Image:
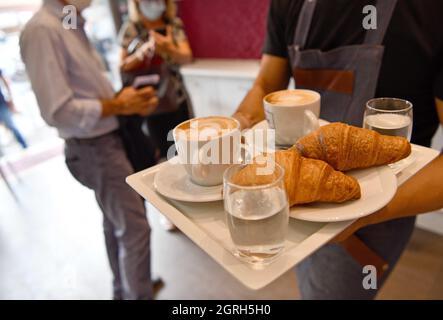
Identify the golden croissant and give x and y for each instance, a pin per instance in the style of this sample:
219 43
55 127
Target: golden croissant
306 180
346 147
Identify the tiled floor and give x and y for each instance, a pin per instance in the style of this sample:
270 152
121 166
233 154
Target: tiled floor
51 247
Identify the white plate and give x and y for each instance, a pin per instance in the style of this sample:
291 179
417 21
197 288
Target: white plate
378 186
173 182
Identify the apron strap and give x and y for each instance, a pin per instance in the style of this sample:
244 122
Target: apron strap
385 10
304 23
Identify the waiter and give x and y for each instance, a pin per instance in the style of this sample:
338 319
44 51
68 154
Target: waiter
323 44
74 96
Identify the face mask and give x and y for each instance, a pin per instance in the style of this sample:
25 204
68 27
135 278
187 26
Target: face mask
152 10
80 5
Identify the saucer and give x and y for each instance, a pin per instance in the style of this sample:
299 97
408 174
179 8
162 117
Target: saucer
173 182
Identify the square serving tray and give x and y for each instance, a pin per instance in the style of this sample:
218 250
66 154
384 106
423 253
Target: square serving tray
204 224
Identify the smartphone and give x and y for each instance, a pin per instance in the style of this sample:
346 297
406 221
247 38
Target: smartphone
162 31
145 81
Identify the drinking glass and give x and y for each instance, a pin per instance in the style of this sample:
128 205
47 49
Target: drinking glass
392 117
257 215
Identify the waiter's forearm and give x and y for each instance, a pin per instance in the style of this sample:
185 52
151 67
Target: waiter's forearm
251 110
420 194
273 75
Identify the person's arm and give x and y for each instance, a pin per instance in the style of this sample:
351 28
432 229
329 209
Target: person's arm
179 52
130 62
126 35
273 75
420 194
130 101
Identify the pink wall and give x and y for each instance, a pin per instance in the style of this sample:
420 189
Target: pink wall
225 28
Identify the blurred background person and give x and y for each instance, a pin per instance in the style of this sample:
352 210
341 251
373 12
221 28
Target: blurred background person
154 45
7 107
74 96
155 21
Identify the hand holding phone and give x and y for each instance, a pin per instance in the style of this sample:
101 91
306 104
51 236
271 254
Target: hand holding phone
147 80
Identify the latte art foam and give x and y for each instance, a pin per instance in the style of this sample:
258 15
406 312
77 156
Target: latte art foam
289 98
208 128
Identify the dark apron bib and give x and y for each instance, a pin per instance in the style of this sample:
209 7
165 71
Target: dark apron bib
346 77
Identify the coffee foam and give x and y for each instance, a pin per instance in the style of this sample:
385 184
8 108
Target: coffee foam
291 98
208 128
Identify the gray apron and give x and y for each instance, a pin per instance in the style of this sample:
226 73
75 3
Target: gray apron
346 77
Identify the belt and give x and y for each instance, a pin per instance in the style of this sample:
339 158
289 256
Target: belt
83 141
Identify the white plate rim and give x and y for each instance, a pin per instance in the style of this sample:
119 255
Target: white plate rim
264 124
217 196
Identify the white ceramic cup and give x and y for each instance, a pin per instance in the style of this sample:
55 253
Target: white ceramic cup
208 152
292 113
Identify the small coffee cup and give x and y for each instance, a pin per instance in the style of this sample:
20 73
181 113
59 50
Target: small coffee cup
207 146
292 113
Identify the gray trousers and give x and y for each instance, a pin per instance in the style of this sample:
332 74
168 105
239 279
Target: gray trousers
331 273
101 165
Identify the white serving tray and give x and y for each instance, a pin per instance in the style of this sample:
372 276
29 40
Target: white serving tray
204 223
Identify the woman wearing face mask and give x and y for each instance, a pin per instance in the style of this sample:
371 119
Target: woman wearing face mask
154 43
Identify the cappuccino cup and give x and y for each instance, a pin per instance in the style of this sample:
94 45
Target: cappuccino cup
207 146
292 113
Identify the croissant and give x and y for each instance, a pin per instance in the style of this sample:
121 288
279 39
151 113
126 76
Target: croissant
306 180
346 147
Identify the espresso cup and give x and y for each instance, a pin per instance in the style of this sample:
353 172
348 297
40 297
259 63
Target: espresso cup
292 113
207 146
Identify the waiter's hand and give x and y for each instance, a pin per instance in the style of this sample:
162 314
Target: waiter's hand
131 101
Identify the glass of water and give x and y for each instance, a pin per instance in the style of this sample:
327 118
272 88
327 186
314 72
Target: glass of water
257 215
389 116
392 117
